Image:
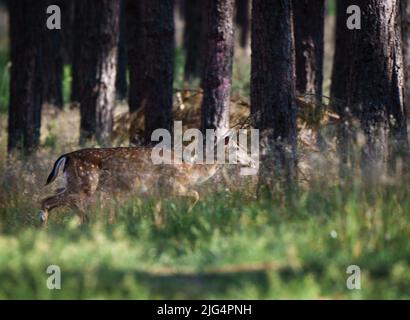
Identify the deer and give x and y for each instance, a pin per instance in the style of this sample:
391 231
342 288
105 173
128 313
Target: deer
124 169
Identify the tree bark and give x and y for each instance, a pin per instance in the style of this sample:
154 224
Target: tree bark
135 52
157 85
193 38
76 86
26 92
376 87
67 28
273 90
217 66
52 56
243 21
121 81
98 22
342 60
342 69
405 23
309 19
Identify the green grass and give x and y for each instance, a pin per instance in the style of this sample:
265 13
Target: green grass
331 6
179 65
230 246
66 84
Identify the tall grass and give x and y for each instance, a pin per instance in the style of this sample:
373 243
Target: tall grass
229 247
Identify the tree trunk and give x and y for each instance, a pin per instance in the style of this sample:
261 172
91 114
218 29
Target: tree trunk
376 86
97 60
76 69
180 7
52 56
67 28
342 60
193 38
121 81
217 67
399 149
157 84
405 23
26 94
243 21
309 19
342 65
273 90
135 52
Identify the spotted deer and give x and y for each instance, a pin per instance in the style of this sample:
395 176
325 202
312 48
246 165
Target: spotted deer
112 170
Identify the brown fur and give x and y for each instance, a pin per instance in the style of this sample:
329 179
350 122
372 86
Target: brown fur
113 170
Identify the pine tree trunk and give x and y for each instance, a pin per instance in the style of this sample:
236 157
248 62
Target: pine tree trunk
217 67
399 148
343 55
135 52
342 66
405 23
67 22
97 60
243 21
76 69
26 94
52 56
157 84
180 7
376 87
309 19
121 81
193 38
273 90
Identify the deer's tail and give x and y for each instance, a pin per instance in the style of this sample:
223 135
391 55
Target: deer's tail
56 168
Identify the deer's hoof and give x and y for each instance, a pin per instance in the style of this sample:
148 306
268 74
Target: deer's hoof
42 216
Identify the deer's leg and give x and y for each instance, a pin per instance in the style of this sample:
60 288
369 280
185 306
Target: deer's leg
60 190
83 216
184 192
70 200
195 195
81 181
55 201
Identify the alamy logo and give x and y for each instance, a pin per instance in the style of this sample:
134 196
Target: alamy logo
355 19
353 281
54 20
54 280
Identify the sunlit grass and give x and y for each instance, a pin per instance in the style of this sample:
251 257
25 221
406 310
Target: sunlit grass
228 247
